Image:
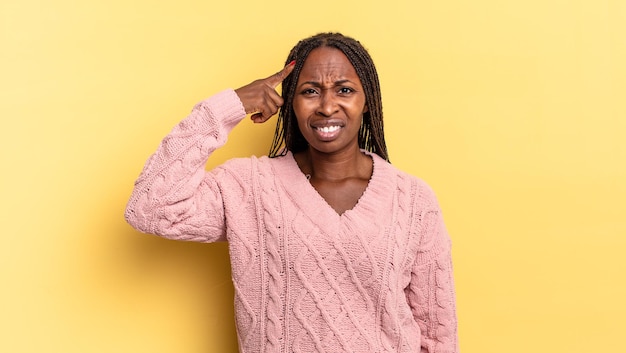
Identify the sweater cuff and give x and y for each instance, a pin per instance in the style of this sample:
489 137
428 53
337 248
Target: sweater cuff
227 106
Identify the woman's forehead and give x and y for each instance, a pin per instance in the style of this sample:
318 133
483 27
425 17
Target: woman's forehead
327 63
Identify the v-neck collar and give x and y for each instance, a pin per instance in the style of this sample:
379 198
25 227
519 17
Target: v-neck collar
378 194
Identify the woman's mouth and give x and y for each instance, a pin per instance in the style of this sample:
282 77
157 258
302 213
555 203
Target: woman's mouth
327 133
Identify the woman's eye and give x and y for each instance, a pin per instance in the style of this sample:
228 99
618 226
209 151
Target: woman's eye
309 91
345 90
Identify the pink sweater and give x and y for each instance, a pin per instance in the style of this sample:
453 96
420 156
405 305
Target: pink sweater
377 278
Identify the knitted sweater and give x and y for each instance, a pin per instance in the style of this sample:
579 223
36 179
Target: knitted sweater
377 278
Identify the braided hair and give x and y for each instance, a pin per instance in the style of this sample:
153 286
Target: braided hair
287 135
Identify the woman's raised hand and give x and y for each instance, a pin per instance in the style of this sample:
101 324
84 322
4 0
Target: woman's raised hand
260 97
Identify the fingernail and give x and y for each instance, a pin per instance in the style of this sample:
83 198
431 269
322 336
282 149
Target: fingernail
292 63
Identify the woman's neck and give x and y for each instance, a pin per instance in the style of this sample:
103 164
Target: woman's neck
335 167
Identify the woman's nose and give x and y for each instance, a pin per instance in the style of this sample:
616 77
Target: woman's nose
327 104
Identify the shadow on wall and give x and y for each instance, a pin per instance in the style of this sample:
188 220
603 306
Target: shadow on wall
152 279
161 281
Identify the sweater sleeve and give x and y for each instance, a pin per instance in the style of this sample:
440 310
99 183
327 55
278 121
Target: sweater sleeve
174 196
431 292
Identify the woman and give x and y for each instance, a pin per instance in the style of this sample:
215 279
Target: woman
332 249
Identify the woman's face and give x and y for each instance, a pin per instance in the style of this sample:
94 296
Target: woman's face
329 101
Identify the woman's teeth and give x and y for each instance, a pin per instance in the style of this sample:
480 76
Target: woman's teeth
327 129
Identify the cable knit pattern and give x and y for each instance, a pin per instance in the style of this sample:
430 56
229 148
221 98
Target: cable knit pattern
275 265
377 278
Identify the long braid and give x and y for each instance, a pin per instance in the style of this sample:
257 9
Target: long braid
371 133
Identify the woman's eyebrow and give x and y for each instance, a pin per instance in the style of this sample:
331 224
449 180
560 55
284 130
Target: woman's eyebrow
318 84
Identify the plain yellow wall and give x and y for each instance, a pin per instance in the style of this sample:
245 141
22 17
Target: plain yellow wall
514 111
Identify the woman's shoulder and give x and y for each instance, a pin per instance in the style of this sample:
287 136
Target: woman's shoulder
421 190
253 163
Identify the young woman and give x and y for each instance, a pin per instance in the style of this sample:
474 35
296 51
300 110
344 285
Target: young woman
332 249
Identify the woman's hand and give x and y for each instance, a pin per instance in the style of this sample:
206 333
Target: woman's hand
260 97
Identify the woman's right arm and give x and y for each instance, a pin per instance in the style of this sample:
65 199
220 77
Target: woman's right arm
174 196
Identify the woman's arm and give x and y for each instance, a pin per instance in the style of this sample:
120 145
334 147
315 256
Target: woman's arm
431 290
174 196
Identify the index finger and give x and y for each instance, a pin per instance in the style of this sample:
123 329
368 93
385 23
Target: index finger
278 77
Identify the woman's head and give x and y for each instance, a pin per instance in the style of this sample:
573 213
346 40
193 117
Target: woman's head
371 135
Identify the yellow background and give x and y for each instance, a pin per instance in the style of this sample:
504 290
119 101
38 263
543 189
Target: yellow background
514 111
